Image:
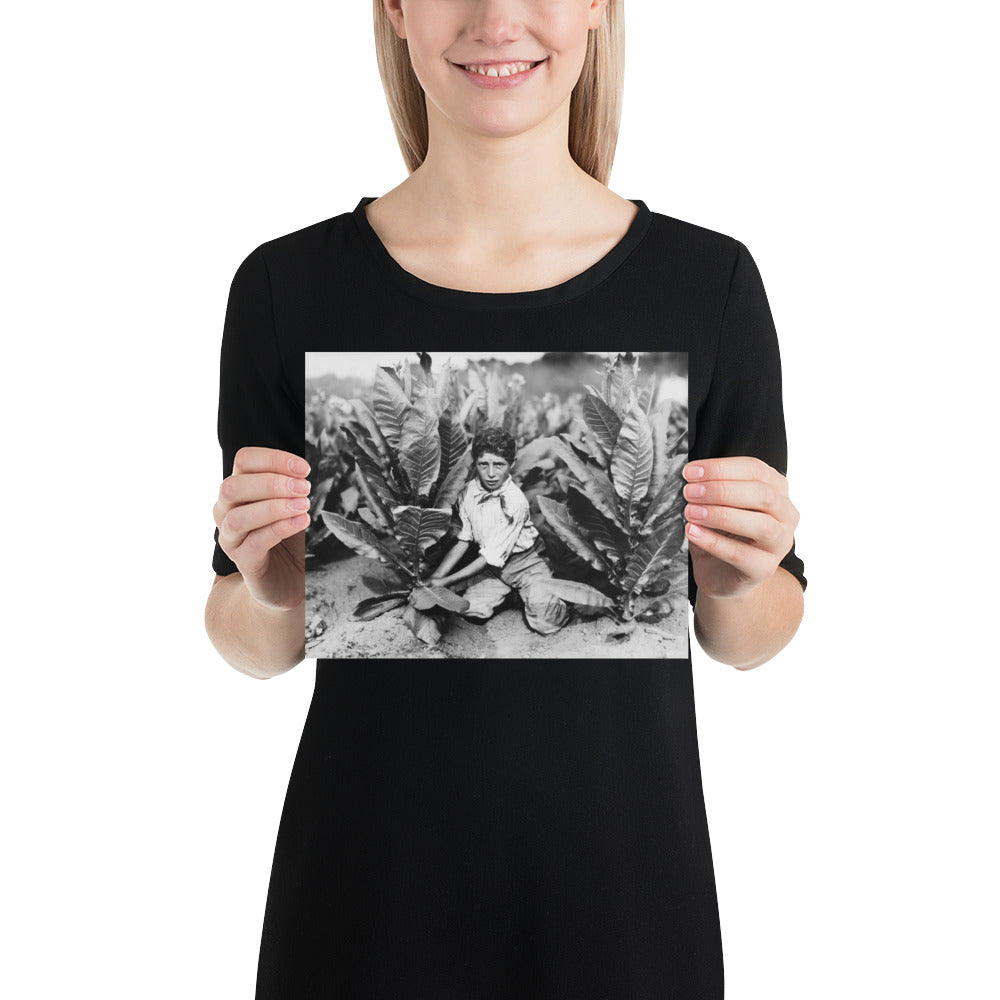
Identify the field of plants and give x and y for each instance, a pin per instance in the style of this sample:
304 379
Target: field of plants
600 466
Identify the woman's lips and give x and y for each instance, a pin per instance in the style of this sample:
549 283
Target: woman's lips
499 82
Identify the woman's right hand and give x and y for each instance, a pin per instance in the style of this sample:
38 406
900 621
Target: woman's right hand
262 513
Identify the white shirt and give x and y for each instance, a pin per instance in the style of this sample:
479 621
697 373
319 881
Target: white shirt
487 524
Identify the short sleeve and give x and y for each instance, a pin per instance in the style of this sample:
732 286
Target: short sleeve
496 550
256 403
743 412
465 531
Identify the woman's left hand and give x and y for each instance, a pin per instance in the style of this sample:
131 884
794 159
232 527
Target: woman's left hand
744 521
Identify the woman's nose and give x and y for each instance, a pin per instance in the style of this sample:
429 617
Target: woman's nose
496 22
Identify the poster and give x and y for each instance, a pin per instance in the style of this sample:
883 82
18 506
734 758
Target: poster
509 505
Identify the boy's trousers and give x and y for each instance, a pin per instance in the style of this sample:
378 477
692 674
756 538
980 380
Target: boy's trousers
525 572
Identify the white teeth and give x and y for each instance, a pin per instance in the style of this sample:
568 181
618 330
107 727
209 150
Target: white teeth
507 69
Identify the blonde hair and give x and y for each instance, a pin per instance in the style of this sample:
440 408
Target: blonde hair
595 106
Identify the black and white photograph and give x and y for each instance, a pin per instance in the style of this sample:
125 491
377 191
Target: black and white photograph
506 505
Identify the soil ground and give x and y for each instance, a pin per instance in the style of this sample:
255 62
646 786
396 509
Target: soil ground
335 588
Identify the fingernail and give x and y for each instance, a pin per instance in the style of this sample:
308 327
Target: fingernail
298 465
694 472
694 491
694 530
299 503
695 511
299 485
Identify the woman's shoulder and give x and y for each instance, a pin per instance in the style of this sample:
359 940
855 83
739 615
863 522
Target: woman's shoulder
293 251
697 244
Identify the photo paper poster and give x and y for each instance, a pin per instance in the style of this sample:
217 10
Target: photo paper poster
509 505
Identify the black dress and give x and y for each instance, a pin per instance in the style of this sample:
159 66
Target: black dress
498 829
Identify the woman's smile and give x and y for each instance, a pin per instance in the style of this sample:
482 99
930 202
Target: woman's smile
499 75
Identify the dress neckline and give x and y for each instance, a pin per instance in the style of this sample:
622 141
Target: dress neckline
585 281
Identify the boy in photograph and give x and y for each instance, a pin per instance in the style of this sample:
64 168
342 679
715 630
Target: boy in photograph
494 514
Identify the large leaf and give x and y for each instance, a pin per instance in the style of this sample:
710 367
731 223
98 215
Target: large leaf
360 444
563 525
653 555
418 528
423 371
588 444
620 393
381 474
594 481
372 607
594 391
585 597
471 402
658 421
474 374
678 418
362 540
383 585
454 441
494 397
388 492
645 399
632 459
378 507
602 422
452 485
444 385
426 596
423 625
366 419
391 405
670 497
604 535
420 446
511 417
373 520
448 599
533 455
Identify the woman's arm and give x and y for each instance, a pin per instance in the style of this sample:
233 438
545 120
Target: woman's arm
741 524
255 640
747 631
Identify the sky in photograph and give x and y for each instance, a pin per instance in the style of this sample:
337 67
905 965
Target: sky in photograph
363 363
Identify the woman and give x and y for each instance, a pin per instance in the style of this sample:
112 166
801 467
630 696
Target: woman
501 828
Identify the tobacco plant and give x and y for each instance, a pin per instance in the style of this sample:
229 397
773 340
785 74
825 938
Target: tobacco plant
492 399
330 467
412 460
624 509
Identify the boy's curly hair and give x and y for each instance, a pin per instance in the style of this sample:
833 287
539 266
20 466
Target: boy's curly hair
496 441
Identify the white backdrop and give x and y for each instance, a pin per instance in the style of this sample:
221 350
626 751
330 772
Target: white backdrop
848 781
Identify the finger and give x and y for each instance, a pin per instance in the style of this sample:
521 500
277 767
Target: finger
251 552
247 517
742 467
759 529
250 459
245 487
749 560
755 495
